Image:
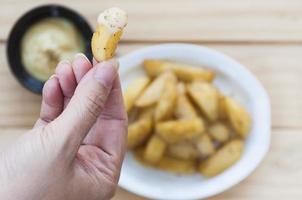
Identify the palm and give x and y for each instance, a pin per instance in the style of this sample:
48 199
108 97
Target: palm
99 158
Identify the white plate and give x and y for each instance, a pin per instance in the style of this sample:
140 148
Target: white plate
233 79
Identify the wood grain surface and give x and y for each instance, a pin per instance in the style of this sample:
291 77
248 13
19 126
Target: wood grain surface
265 36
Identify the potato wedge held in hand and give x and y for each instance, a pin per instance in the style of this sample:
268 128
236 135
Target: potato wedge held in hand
108 33
154 91
206 97
238 116
138 132
103 43
183 109
134 90
166 103
183 72
155 150
174 131
222 159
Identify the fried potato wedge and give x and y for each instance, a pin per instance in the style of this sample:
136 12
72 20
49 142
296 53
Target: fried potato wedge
134 90
166 103
154 91
155 150
174 131
146 112
138 132
177 165
222 112
222 159
183 109
206 97
183 72
238 116
183 150
104 43
219 132
205 145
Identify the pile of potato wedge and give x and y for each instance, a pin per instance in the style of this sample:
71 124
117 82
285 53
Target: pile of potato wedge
180 122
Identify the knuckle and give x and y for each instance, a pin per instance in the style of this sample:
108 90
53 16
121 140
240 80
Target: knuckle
94 103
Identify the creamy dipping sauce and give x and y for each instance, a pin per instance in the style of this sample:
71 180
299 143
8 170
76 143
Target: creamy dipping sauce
46 43
114 18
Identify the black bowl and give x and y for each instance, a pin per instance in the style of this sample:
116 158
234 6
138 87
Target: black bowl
22 25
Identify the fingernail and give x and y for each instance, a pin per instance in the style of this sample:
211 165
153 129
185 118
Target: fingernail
52 76
64 62
106 72
81 56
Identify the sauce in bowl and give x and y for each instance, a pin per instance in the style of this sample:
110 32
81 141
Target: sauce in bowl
47 42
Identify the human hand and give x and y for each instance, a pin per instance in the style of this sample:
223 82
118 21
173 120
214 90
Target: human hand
76 147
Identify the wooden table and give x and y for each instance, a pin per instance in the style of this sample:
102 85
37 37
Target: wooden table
265 36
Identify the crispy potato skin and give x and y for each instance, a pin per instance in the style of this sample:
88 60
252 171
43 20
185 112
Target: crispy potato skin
166 103
238 117
104 43
134 90
182 71
174 131
138 132
155 150
153 92
206 97
222 159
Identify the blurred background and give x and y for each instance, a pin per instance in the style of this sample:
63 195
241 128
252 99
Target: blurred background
265 36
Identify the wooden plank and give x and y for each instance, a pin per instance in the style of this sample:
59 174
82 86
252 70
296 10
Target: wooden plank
190 20
276 66
278 176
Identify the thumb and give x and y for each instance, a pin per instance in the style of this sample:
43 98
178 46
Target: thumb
86 105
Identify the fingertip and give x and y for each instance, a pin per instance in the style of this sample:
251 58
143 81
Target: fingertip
52 93
66 78
81 65
106 72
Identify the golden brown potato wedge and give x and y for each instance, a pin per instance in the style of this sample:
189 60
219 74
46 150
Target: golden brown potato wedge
174 131
146 112
205 145
238 116
166 103
183 72
104 43
177 165
155 150
206 97
134 90
219 132
222 107
183 150
222 159
138 132
154 91
183 109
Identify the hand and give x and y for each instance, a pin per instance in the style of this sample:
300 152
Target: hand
76 147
